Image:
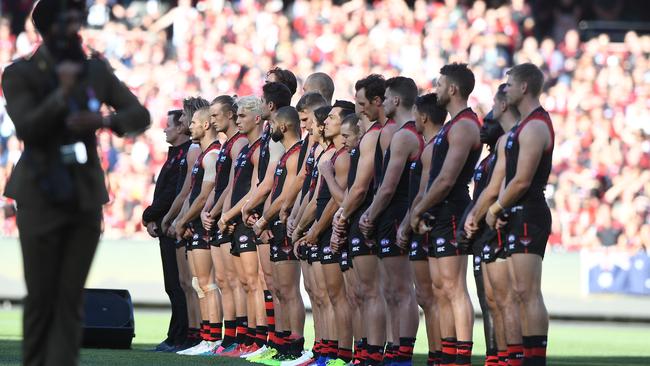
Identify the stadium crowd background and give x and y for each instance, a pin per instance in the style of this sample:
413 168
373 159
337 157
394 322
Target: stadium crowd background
598 91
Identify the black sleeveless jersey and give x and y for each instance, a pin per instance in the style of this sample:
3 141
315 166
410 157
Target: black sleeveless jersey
483 173
243 172
281 170
182 165
460 189
324 194
198 171
314 173
379 159
415 174
265 157
355 154
401 194
535 192
309 167
224 164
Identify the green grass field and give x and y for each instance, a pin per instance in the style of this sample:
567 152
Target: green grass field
570 343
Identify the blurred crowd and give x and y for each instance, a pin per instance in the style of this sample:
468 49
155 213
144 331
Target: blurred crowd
598 91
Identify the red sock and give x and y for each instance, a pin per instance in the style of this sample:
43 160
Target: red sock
205 330
215 331
503 358
515 355
344 354
464 353
405 351
448 356
491 360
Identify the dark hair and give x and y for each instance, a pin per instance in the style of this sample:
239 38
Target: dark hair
405 88
460 75
286 77
310 101
228 102
501 92
346 107
374 84
289 116
277 93
46 12
176 116
193 104
321 114
529 74
428 104
353 121
324 84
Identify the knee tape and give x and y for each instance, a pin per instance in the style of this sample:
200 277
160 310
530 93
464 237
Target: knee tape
197 288
211 287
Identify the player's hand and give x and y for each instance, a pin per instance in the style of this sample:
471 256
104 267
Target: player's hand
501 223
266 236
188 234
311 238
471 227
366 226
207 220
424 225
296 248
152 229
403 236
490 219
290 226
180 228
259 226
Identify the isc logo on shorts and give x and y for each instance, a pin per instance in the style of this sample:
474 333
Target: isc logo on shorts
414 253
327 257
243 246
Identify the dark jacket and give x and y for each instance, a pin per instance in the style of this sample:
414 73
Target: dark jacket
39 113
165 191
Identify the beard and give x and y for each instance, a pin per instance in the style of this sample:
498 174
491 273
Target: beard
276 136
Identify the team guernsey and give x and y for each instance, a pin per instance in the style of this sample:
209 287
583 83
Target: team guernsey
448 213
313 251
487 245
419 244
357 242
200 237
281 246
529 223
223 167
390 219
182 172
327 256
243 238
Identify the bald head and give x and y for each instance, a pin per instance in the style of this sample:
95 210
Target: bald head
321 83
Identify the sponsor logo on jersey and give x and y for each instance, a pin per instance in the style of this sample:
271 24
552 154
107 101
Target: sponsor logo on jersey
478 176
278 171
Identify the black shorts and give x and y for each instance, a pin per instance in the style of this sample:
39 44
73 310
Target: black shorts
447 217
489 245
326 255
312 254
200 237
528 229
180 243
243 240
220 238
356 240
346 261
387 225
281 245
419 247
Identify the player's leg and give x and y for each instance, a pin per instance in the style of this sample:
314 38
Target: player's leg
495 311
227 296
288 283
374 305
185 278
400 278
336 292
446 349
424 297
212 312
